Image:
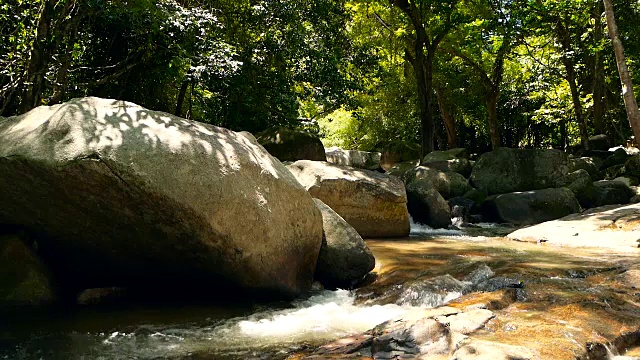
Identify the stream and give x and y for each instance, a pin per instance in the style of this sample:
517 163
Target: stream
568 304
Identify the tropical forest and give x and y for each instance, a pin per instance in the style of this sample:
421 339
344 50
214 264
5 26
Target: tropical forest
319 179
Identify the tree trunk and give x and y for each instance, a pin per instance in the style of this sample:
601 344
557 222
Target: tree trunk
181 96
423 70
38 60
598 74
565 41
630 102
447 119
492 112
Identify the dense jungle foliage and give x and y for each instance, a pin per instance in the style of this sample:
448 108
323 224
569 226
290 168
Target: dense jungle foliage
365 74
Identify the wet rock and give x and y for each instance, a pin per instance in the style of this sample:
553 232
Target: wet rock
354 158
24 278
487 350
344 257
467 321
461 209
449 184
531 207
607 227
507 170
126 196
292 144
427 206
476 195
480 275
374 204
432 292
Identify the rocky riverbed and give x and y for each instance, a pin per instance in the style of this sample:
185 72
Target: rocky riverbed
479 296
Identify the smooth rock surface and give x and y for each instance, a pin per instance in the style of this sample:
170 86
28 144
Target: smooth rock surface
374 204
607 227
126 196
344 257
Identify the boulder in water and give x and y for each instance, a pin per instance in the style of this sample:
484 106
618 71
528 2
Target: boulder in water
427 206
292 144
130 197
507 170
344 257
531 207
375 204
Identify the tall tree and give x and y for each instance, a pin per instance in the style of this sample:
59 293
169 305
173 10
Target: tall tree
631 105
430 21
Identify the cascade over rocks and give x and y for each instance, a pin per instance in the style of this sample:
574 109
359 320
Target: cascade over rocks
507 170
531 207
292 144
344 257
354 158
125 196
375 204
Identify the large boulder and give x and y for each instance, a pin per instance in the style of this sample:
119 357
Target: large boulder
24 278
611 192
374 204
354 158
632 166
619 157
531 207
460 166
129 197
510 170
292 144
344 257
448 183
607 227
427 206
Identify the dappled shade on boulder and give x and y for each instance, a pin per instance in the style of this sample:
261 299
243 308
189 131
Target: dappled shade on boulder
124 196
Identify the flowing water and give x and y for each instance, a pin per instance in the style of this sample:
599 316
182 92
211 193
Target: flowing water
568 305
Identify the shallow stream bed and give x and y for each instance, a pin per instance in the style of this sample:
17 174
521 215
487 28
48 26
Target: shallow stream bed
563 303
